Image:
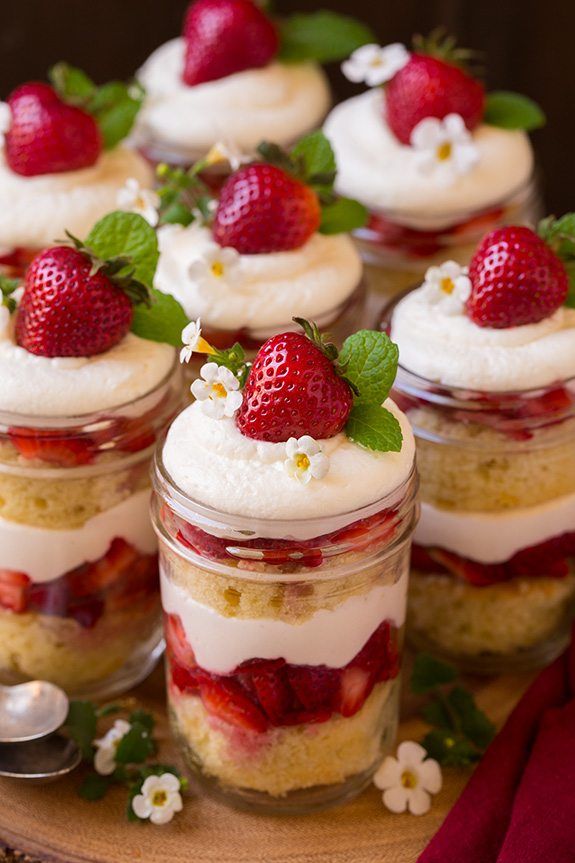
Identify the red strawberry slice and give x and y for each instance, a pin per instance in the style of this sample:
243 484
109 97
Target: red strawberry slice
177 641
51 447
187 679
229 702
47 136
477 574
516 279
98 576
356 684
224 37
263 209
13 590
67 310
315 686
293 390
430 87
307 717
273 693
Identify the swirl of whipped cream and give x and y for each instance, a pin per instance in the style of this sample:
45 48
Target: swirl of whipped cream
313 279
36 211
213 463
69 386
452 350
375 168
278 102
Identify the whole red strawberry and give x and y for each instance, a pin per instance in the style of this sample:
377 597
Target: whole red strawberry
66 311
46 135
293 390
431 87
516 279
226 36
263 209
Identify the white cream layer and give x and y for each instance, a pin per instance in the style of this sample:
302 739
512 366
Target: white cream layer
330 637
452 350
494 537
213 463
44 554
277 103
70 386
375 168
314 279
36 211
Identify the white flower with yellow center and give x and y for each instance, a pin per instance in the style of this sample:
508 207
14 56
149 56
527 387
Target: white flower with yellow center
193 342
375 65
218 391
444 148
5 120
409 780
134 199
216 266
107 746
449 286
305 460
159 798
227 151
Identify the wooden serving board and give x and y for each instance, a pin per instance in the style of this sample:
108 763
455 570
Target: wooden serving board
52 824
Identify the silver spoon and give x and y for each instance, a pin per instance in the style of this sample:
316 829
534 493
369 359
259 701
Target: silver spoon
39 761
31 710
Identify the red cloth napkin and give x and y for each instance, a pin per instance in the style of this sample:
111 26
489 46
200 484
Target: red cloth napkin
519 805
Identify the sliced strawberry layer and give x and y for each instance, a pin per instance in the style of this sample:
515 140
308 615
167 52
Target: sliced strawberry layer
549 559
116 581
261 693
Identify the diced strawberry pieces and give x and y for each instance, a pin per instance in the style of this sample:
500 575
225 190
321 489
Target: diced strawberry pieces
356 684
87 612
187 679
229 702
13 590
307 717
98 576
49 447
273 693
177 642
315 686
255 666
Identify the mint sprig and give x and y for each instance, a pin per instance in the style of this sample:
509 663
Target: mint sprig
461 731
509 110
184 197
114 105
7 288
322 36
559 234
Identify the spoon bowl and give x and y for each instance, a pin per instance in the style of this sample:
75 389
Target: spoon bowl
32 710
39 761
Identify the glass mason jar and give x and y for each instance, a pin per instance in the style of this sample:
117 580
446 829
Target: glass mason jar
79 591
283 654
398 254
493 565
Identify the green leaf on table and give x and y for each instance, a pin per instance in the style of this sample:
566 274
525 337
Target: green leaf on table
143 718
162 321
429 672
449 749
82 726
126 235
322 36
342 216
369 360
135 746
473 723
512 111
94 787
374 427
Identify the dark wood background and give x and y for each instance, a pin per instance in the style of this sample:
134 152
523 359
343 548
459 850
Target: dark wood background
529 46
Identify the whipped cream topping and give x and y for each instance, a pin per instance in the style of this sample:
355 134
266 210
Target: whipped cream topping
494 537
44 554
330 637
36 211
377 169
451 349
214 464
313 279
278 102
71 386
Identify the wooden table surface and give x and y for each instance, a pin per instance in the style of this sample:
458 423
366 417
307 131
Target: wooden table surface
53 825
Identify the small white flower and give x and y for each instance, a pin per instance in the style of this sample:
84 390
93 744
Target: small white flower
218 391
409 780
305 459
444 148
107 746
5 120
145 202
159 798
375 65
227 151
216 266
193 341
448 285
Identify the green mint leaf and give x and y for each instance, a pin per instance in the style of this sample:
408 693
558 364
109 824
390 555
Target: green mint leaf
429 672
474 724
342 216
115 107
570 267
143 718
435 713
71 84
82 726
321 36
317 156
512 111
559 234
449 749
177 214
94 787
7 288
275 155
374 427
369 360
135 746
162 321
126 235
